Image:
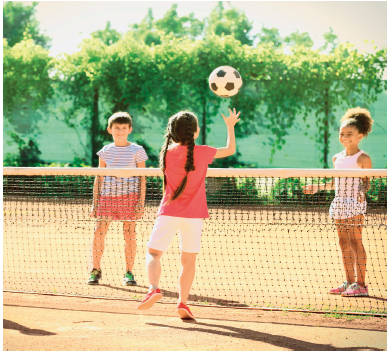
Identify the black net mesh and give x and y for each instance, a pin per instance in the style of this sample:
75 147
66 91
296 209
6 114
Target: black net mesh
266 244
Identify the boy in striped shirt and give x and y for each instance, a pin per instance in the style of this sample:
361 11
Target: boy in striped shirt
116 198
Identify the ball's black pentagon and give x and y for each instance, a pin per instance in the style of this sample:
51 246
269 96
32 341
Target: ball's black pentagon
214 87
236 73
229 86
221 73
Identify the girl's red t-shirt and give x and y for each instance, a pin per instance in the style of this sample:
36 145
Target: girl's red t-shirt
192 202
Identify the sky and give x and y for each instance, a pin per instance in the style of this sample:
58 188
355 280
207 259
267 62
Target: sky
68 22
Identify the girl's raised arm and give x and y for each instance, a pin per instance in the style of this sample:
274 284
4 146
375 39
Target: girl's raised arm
230 147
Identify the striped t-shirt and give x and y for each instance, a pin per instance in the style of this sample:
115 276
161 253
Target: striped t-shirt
121 156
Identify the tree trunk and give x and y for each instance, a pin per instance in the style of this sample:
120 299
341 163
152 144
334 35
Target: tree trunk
326 129
95 129
326 124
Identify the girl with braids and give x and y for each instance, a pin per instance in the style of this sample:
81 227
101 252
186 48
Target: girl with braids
349 205
183 206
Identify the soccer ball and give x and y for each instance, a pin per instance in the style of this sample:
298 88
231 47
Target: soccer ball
225 81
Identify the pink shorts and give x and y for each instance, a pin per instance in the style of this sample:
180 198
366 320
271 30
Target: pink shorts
122 207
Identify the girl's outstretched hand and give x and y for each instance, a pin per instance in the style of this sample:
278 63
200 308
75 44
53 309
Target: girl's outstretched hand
310 189
232 119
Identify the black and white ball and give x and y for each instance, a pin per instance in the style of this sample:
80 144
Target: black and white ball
225 81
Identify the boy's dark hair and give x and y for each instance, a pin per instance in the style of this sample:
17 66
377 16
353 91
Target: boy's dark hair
181 129
360 118
120 118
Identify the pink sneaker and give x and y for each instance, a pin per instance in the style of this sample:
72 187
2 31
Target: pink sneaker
355 290
343 287
184 312
150 299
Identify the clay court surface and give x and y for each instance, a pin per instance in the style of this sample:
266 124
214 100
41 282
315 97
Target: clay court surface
42 322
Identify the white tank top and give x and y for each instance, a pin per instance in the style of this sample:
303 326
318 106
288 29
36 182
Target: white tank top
347 187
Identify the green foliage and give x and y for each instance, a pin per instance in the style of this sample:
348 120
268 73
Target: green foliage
162 66
79 78
26 75
232 21
270 36
344 78
299 39
108 36
146 31
19 23
153 156
186 26
377 194
151 31
28 153
52 187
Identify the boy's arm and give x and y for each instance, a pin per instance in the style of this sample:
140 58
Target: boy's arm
141 203
230 148
97 186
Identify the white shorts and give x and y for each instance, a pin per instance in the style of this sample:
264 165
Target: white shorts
345 208
165 228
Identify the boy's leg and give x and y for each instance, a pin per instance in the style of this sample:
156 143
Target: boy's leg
153 267
187 275
130 244
98 242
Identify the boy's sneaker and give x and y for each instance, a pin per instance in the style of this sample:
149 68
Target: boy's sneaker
94 277
355 290
338 291
150 299
184 312
128 279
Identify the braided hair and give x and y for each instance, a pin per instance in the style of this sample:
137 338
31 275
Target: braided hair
360 118
181 129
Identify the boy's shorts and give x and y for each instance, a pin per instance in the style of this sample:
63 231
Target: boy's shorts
122 207
165 228
345 208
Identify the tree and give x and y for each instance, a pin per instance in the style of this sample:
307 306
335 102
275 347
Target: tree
26 75
146 31
186 26
79 79
232 21
151 31
19 23
270 36
108 36
299 39
343 78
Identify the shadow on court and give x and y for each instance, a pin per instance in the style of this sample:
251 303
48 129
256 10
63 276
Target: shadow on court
377 298
25 330
277 340
175 295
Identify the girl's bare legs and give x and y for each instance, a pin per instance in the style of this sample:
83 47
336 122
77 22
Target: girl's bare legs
130 244
187 275
153 267
352 249
98 242
355 231
347 255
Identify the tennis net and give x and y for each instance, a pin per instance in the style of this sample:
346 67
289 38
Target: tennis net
266 244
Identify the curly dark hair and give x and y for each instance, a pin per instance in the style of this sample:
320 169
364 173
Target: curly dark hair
360 118
181 129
